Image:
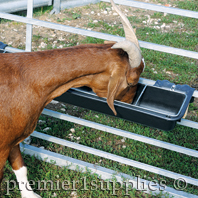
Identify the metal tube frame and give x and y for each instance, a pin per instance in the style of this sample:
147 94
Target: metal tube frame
31 150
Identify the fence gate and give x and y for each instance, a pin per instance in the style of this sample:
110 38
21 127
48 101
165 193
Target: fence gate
105 173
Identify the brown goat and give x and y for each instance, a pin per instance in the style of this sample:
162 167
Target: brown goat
29 81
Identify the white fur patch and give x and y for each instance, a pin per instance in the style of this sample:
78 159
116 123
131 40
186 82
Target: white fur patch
26 190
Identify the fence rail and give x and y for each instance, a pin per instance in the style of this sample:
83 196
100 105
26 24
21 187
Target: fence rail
115 158
122 133
19 5
103 172
158 8
147 45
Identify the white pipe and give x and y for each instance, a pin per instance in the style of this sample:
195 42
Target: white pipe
158 8
29 26
15 6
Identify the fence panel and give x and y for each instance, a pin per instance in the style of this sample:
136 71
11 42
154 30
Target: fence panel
103 172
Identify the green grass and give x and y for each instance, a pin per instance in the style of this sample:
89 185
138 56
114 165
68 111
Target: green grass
42 10
73 182
134 150
183 70
71 16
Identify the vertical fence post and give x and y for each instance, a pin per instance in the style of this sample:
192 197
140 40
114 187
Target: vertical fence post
29 26
56 7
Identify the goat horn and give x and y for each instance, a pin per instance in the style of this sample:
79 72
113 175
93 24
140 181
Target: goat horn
128 29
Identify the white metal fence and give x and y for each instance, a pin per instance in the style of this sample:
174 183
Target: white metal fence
19 5
103 172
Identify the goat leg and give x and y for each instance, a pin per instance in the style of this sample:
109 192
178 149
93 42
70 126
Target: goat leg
4 153
20 171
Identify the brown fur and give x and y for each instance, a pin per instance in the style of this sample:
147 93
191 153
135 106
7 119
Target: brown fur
29 81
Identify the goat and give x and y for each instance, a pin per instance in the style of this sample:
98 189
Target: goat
30 80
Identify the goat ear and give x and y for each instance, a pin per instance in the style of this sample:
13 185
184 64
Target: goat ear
114 83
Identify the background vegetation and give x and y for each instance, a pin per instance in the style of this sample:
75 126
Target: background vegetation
159 66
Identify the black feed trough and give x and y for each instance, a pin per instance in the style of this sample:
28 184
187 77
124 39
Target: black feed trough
159 106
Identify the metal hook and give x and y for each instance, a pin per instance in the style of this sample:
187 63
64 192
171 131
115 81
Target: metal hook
173 88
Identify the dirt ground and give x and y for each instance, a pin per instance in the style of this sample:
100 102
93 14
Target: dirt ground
14 33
